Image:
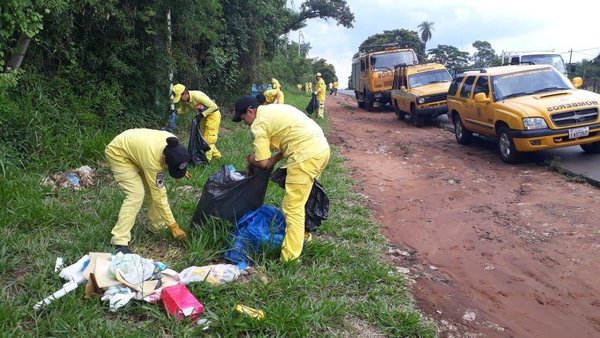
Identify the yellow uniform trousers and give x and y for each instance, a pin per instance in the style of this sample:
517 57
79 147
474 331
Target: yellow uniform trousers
209 128
298 184
137 193
321 110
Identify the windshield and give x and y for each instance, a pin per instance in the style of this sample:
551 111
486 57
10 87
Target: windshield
527 83
546 59
423 79
387 61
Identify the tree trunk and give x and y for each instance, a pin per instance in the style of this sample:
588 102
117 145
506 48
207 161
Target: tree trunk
19 52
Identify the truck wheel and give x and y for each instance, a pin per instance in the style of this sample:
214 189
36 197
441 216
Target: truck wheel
368 101
462 135
399 114
417 121
361 104
591 148
506 146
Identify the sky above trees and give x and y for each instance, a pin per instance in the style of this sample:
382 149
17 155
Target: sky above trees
506 25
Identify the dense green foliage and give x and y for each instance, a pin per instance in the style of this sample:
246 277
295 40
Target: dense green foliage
99 66
404 37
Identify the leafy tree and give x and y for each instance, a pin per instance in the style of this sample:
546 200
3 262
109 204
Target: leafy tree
426 27
485 56
404 37
450 57
327 70
323 9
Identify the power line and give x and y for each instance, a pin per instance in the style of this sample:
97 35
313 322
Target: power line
577 51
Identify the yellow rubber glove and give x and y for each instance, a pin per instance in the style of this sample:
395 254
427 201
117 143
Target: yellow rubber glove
177 232
188 175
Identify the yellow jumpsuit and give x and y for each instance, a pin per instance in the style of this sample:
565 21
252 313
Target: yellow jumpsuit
271 96
135 159
321 89
301 141
209 125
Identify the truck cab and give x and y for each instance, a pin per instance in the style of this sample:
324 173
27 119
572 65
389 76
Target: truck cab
373 72
420 91
543 57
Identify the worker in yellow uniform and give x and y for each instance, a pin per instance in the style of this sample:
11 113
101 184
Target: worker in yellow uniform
274 83
320 92
137 159
335 87
271 96
300 140
195 100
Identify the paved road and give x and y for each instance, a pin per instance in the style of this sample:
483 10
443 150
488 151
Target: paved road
571 159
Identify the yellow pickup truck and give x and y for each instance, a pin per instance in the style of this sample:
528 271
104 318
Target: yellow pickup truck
526 107
420 91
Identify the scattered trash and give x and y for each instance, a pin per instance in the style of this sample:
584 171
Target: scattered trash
234 174
117 296
82 177
180 302
213 274
59 264
469 316
204 322
73 274
263 228
433 267
258 314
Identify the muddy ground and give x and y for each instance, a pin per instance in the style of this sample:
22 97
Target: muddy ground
490 249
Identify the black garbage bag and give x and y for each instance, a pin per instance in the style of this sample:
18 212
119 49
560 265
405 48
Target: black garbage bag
197 145
228 199
313 105
317 205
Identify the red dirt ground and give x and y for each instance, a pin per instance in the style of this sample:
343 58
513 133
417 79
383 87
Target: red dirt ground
493 250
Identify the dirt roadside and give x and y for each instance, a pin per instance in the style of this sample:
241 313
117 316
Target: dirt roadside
491 249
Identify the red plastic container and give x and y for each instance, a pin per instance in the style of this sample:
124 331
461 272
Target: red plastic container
180 302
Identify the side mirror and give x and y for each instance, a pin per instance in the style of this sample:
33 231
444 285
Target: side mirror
577 82
481 98
403 89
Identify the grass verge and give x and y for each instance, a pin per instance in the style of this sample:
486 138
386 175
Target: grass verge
342 287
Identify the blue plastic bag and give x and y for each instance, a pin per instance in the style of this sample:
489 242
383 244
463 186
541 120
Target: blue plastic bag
263 228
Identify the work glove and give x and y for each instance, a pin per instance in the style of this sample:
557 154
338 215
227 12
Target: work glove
177 232
188 175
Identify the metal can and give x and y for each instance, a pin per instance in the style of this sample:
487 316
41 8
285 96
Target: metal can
258 314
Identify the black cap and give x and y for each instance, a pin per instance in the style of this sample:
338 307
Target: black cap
242 104
176 157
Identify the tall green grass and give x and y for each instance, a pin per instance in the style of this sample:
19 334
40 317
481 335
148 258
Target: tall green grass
342 287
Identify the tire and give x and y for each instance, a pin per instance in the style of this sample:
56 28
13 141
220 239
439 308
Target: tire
591 148
462 135
359 103
506 146
417 121
399 114
368 101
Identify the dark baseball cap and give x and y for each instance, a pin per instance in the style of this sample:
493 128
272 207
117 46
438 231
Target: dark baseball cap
176 157
242 104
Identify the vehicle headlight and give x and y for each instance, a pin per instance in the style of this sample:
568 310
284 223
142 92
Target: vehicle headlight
531 123
421 100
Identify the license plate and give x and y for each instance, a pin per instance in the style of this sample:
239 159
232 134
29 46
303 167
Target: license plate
579 132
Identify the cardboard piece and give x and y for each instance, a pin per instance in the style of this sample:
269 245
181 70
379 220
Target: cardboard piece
180 302
104 277
92 265
145 287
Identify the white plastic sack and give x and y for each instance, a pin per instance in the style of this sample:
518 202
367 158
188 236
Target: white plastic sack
134 269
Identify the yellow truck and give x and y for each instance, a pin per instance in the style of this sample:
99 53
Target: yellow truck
373 72
526 108
420 91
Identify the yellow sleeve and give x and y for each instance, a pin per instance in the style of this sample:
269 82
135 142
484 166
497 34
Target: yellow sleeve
158 192
262 145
